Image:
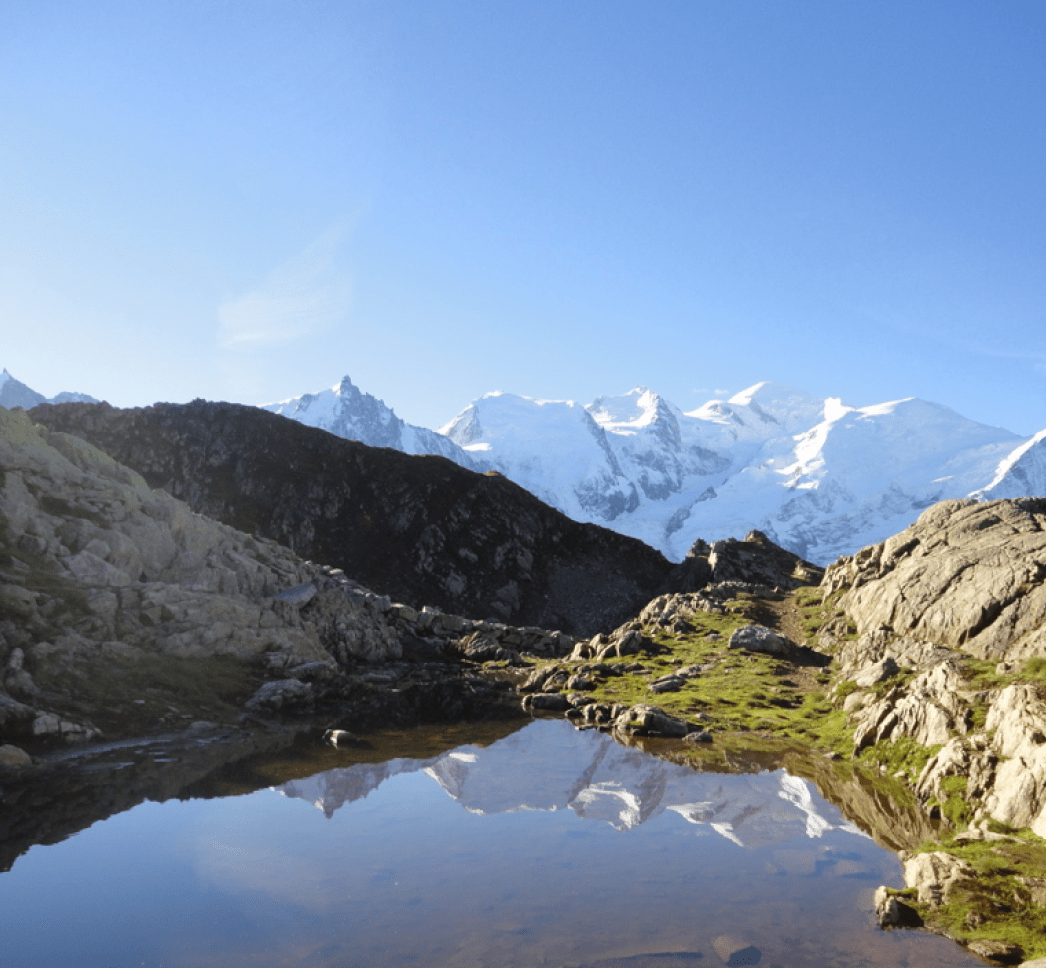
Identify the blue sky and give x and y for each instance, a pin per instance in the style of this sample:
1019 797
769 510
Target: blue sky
248 200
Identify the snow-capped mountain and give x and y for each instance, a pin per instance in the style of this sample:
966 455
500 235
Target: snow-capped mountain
821 478
550 766
14 393
344 410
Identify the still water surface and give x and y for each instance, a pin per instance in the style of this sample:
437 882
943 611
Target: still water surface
548 847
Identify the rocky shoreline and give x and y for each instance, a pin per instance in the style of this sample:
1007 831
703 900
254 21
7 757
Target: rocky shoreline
909 681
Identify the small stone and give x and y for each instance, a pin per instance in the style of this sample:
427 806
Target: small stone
14 758
700 736
887 912
340 737
996 950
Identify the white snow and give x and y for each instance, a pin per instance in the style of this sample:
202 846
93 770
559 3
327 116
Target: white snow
820 477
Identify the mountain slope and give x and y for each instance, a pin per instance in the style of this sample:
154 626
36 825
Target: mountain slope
420 529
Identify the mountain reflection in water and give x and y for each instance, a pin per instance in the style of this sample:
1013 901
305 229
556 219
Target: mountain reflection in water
389 871
550 766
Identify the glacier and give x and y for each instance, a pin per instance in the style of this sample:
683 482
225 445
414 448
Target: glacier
819 477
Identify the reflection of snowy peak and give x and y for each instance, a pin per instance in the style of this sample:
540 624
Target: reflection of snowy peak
817 476
550 766
344 410
330 790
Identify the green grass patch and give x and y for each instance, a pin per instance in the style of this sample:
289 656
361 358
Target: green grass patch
996 904
902 755
815 614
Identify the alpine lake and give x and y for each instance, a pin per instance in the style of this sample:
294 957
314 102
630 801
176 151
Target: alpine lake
511 844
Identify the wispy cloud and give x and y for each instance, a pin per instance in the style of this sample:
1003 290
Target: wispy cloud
1021 354
301 297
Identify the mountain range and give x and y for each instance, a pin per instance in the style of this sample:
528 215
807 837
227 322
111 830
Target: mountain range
820 478
14 393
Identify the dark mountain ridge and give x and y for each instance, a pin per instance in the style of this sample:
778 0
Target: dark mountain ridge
418 528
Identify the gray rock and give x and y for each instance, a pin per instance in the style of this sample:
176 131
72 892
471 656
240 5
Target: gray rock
887 913
758 638
14 758
885 668
551 702
646 720
280 694
698 737
299 594
340 737
995 950
965 576
936 875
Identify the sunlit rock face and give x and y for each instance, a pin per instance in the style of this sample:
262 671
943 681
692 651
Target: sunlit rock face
550 766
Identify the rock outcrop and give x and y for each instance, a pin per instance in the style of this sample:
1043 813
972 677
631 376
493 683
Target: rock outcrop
418 528
965 576
122 611
942 629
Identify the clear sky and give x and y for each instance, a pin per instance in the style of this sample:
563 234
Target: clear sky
248 200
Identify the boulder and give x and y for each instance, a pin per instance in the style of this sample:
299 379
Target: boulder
549 702
646 720
887 911
758 561
13 758
280 694
936 875
993 950
758 638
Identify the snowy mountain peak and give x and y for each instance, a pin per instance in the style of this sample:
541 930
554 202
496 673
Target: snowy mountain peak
14 393
818 476
554 448
1020 473
636 409
346 411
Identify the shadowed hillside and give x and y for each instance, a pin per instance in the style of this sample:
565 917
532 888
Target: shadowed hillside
420 529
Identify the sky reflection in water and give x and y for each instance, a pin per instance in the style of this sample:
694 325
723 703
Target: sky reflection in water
548 847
